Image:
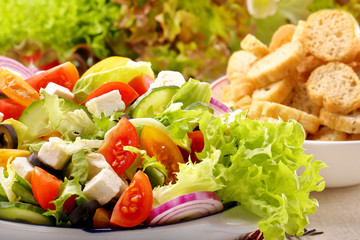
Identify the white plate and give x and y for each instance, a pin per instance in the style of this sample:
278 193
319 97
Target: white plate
234 223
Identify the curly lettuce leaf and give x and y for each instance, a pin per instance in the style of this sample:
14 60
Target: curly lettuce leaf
78 166
255 164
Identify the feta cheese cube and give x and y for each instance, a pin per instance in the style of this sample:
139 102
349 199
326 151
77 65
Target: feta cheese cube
23 168
168 78
54 153
96 162
1 117
103 187
55 89
106 103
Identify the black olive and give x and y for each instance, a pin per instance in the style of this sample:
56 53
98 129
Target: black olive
82 216
8 137
34 159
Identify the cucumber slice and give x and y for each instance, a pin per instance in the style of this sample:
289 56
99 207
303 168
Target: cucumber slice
153 102
23 212
22 189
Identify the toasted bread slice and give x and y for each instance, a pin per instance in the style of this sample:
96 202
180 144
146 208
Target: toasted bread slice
332 35
281 36
275 92
335 86
243 103
327 134
276 65
349 123
309 63
239 64
299 31
301 100
259 109
251 44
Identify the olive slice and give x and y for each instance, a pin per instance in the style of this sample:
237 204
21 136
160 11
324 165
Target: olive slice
8 137
82 215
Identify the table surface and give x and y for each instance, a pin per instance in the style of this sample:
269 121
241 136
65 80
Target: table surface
338 214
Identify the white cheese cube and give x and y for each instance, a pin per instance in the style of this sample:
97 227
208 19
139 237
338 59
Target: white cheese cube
1 117
168 78
97 162
106 103
55 89
54 153
23 168
103 187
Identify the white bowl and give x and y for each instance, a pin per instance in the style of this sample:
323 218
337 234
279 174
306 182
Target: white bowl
341 157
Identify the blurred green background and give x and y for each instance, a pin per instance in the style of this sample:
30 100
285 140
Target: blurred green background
193 37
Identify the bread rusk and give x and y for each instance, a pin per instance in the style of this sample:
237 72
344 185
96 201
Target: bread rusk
259 109
332 35
275 92
282 35
309 63
335 86
238 89
276 65
349 123
239 64
251 44
301 100
327 134
299 31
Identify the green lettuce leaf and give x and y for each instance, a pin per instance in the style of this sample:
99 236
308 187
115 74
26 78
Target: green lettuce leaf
255 164
78 166
68 189
85 85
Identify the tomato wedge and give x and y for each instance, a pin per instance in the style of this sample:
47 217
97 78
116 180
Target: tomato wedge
128 94
16 88
46 187
107 64
65 75
134 205
159 144
141 83
11 109
197 144
124 134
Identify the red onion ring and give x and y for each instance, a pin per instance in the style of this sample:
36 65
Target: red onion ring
16 67
218 107
185 207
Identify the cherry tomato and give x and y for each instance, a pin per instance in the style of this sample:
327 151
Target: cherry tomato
128 94
159 144
11 109
134 205
197 144
101 218
107 64
65 75
15 88
46 187
141 83
124 134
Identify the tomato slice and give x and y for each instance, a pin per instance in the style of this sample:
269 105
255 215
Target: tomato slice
107 64
65 75
128 94
124 134
11 109
134 205
197 144
16 88
141 83
46 187
159 144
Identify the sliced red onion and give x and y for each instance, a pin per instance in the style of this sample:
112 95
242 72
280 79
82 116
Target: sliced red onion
16 67
185 207
218 107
